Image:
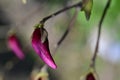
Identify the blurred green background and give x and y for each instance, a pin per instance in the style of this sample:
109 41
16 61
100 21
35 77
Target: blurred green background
74 54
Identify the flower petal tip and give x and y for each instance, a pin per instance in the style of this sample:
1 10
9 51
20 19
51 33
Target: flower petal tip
54 66
50 62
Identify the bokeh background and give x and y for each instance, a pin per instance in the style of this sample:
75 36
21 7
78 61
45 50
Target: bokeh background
74 54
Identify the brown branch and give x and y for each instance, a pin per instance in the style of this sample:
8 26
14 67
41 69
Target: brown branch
79 4
68 29
99 33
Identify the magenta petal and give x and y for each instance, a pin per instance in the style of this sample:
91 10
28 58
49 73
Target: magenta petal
13 44
42 48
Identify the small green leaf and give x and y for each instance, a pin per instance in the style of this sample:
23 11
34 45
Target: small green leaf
87 7
39 25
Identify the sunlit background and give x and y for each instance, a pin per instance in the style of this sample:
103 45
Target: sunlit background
74 54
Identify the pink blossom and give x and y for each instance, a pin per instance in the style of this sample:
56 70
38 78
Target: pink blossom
41 46
14 45
90 76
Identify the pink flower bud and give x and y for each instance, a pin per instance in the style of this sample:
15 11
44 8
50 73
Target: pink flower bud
14 45
90 76
41 46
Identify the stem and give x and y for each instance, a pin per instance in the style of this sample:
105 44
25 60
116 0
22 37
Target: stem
68 29
99 32
79 4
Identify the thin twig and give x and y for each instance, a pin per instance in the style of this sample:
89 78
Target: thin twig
70 25
99 33
79 4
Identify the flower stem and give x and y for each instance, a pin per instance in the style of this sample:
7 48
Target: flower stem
79 4
99 32
68 28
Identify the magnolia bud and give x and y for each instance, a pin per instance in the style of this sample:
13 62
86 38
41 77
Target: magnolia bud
41 46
